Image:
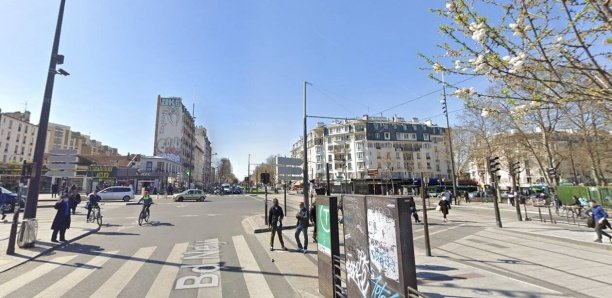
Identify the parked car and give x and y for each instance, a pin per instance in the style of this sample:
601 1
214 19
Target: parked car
190 194
10 200
226 188
237 190
124 193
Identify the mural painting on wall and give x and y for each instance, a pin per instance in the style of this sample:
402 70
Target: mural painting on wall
356 247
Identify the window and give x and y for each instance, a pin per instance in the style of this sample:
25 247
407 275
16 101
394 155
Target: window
359 146
350 166
319 150
361 165
26 129
149 166
427 156
377 135
8 136
10 124
426 136
329 158
22 150
359 155
19 128
406 136
397 155
438 168
318 158
6 147
387 135
428 166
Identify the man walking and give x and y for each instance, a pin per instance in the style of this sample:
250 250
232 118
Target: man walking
302 227
600 218
313 220
61 222
275 223
54 190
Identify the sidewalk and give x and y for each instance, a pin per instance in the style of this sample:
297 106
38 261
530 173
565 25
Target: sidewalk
78 229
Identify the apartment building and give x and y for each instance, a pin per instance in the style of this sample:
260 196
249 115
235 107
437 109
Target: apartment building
17 137
376 148
206 159
62 137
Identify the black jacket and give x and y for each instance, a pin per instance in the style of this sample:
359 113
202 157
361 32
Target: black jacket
275 214
302 218
62 217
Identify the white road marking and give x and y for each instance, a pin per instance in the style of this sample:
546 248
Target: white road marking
164 282
114 285
215 258
189 215
255 281
69 281
440 231
33 274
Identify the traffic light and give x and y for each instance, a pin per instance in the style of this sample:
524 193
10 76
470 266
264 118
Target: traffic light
494 164
265 178
26 172
516 167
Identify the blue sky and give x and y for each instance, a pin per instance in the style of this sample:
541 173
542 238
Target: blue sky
242 63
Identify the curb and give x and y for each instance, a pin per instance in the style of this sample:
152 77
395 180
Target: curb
50 249
602 246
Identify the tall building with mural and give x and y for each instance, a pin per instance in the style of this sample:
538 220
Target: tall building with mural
175 133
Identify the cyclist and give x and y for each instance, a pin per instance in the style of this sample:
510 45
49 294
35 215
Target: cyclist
94 198
146 201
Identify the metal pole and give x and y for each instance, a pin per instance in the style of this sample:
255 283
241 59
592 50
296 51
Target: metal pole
495 203
450 142
305 169
425 223
328 190
192 138
266 205
41 137
249 174
10 250
285 195
517 198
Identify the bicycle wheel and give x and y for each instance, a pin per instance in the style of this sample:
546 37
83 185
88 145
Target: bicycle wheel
141 218
147 215
99 217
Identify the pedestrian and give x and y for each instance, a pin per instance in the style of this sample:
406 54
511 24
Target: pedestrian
61 222
557 203
275 223
313 220
448 197
2 201
170 190
443 207
54 190
302 227
75 200
413 210
466 196
576 206
600 220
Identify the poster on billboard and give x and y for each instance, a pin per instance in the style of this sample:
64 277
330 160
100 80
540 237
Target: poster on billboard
169 128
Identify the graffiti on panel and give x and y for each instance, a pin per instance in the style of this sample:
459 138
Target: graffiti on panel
357 270
382 243
170 148
382 290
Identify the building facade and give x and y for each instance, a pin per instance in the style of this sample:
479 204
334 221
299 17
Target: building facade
376 148
157 172
202 139
62 137
17 137
175 133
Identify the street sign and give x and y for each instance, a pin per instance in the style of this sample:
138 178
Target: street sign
61 166
288 169
66 174
63 151
63 158
323 229
372 172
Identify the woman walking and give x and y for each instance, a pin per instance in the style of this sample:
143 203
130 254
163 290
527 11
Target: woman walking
600 218
443 207
61 222
413 210
75 200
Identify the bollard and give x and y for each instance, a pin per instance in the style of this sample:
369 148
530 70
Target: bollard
574 217
526 215
540 212
551 217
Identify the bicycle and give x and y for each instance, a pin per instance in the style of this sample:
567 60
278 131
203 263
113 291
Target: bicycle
145 213
95 215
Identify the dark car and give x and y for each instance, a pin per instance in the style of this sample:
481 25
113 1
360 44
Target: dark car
10 200
237 190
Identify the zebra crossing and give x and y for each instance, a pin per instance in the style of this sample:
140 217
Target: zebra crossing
188 269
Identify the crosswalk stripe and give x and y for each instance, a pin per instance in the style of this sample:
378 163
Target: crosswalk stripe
164 282
114 285
256 283
33 274
68 282
212 291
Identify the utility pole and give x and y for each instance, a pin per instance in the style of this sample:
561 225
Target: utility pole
305 169
193 130
43 124
249 174
425 222
450 139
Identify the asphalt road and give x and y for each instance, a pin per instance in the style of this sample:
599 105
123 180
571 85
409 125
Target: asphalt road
128 260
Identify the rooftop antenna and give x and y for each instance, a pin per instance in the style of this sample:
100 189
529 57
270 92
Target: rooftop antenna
25 108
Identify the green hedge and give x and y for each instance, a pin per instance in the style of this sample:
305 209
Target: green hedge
603 195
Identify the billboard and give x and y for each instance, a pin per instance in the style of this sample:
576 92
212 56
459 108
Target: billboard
169 128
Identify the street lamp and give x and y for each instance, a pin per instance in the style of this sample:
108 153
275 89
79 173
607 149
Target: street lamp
41 137
450 139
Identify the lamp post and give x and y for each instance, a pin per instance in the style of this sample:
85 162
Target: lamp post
450 139
305 169
41 137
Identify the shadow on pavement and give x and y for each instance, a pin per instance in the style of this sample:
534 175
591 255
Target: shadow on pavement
116 234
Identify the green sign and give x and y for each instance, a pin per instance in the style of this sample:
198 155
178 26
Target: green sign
323 229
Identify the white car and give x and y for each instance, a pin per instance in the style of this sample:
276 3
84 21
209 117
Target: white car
117 193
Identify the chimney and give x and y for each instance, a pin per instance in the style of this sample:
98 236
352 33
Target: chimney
26 116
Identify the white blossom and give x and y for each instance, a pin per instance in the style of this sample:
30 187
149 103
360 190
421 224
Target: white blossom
437 67
464 93
479 31
480 65
516 63
506 58
457 64
450 5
